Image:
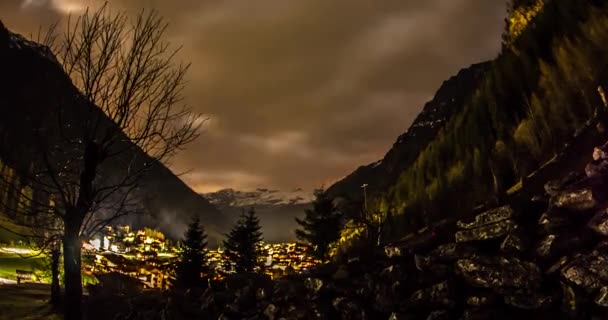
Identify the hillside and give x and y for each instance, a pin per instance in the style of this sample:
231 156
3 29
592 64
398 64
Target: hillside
545 86
447 102
35 90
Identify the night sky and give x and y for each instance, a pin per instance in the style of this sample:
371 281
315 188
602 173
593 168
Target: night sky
301 92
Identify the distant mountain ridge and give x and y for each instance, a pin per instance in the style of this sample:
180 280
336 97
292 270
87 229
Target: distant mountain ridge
276 209
260 196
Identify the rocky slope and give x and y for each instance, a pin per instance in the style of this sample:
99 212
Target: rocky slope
34 89
276 209
542 258
448 101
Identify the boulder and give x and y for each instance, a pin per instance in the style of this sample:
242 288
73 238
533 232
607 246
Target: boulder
557 266
527 301
556 245
577 200
450 252
578 273
599 223
271 311
438 295
498 273
438 315
552 222
597 168
601 299
571 301
401 316
553 187
341 273
543 249
348 309
481 314
314 285
479 300
487 232
488 217
513 244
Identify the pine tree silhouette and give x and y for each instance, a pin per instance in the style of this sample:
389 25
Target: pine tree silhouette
192 266
320 226
241 247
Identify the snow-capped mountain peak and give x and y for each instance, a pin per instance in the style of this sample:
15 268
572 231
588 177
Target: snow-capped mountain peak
258 197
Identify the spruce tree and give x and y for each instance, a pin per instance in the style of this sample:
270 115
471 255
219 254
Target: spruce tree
241 247
192 264
320 226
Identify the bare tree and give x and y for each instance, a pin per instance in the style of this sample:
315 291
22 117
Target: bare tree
128 118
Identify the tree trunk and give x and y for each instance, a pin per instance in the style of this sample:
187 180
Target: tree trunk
55 288
72 270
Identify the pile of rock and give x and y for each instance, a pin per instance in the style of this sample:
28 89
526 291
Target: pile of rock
544 258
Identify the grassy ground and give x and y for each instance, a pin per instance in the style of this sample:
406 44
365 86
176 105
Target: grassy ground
10 262
26 302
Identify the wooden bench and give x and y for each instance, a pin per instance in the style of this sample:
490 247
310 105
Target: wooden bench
24 275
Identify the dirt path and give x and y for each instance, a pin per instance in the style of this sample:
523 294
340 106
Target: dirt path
26 302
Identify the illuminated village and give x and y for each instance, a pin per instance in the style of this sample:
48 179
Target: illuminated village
147 255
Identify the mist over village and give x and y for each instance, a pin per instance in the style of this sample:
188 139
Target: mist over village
304 159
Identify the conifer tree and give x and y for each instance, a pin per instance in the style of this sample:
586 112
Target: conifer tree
192 265
321 225
241 247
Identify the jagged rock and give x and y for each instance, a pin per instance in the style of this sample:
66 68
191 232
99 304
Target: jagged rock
392 251
498 272
480 314
479 300
579 273
383 300
513 243
601 299
260 294
527 301
271 311
575 200
401 316
392 273
438 315
451 252
556 245
435 296
551 223
555 186
348 310
341 273
488 217
544 247
599 223
558 265
297 313
422 263
487 232
314 284
571 300
597 168
600 153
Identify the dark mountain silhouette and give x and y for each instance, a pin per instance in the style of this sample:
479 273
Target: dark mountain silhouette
33 88
448 101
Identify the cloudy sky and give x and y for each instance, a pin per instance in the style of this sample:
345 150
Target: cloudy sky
301 92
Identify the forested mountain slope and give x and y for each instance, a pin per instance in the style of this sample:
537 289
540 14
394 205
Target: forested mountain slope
545 85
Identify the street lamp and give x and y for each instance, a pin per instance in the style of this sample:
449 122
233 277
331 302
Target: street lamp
364 186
